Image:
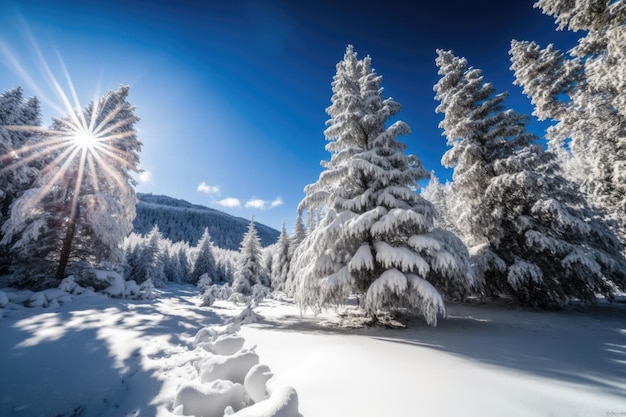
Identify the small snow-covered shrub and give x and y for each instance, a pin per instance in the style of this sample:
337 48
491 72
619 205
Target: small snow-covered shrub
204 282
259 292
247 316
238 298
209 296
99 280
147 291
215 292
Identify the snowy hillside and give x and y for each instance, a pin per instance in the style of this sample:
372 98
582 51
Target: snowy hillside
179 220
99 356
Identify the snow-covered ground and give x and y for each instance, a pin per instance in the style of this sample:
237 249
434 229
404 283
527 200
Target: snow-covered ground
99 356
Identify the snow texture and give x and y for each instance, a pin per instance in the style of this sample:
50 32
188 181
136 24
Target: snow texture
117 357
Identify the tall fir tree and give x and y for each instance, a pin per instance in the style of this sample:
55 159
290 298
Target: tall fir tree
19 119
376 238
205 260
297 237
535 237
584 94
281 261
248 270
83 202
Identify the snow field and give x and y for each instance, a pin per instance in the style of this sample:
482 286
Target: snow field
481 361
105 356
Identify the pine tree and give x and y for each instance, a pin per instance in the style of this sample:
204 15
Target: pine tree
440 197
536 239
84 199
19 119
280 261
248 270
376 238
298 234
584 93
297 237
205 261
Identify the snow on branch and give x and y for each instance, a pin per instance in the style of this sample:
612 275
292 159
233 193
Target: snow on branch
362 259
403 258
522 272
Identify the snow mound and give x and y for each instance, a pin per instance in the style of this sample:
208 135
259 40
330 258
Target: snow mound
108 282
224 345
202 400
231 382
232 367
256 380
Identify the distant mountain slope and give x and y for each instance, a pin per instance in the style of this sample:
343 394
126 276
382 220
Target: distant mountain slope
181 220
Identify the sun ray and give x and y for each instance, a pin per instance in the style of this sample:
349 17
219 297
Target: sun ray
15 65
45 189
98 129
79 184
92 171
35 155
70 84
53 81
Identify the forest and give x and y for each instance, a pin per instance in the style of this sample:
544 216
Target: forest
539 222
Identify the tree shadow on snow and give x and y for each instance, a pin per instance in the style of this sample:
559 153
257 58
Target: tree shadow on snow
85 360
578 345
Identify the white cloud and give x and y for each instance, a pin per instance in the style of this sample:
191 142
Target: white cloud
256 203
208 189
278 201
230 202
145 177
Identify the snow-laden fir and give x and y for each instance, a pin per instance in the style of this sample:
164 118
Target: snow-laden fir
532 233
370 232
583 93
86 202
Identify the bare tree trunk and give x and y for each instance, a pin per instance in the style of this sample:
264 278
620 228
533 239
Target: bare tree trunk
66 249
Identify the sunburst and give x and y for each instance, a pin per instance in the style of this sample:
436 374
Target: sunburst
84 144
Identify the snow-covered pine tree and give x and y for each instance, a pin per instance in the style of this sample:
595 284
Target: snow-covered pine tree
84 198
376 238
440 196
476 128
248 269
297 237
205 260
145 259
584 94
17 172
537 240
181 251
298 234
280 261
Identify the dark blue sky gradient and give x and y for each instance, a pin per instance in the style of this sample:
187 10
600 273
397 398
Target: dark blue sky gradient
233 93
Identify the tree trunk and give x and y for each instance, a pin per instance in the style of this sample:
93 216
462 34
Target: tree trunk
66 249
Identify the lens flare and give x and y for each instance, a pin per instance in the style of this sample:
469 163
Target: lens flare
93 145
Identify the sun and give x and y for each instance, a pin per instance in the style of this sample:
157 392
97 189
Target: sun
85 139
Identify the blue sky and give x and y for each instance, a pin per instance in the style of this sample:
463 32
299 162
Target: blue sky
232 94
